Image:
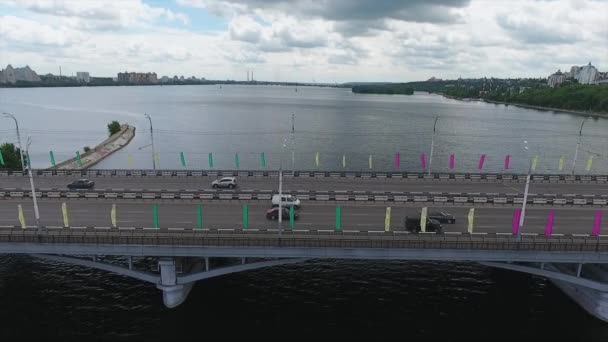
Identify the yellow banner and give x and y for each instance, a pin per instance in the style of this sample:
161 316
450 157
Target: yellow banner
471 218
423 220
317 159
370 161
534 162
387 220
64 211
343 161
561 163
130 160
113 215
21 216
157 157
589 163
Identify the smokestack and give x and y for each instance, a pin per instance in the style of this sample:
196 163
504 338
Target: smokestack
60 71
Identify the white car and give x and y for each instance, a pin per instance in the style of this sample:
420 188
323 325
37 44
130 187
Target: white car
286 201
226 182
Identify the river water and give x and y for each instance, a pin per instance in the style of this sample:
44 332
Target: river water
314 300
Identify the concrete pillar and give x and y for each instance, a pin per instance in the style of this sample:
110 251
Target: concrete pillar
206 263
542 265
173 294
130 259
242 261
578 270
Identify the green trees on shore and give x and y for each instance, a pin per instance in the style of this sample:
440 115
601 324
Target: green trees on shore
11 157
574 97
390 89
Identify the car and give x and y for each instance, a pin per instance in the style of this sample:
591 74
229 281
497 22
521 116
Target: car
286 201
412 224
442 217
226 182
273 214
81 184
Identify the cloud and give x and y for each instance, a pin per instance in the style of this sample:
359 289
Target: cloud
535 31
29 32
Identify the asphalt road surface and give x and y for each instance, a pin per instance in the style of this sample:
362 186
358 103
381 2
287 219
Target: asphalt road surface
319 184
318 216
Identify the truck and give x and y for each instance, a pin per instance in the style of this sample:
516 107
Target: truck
412 224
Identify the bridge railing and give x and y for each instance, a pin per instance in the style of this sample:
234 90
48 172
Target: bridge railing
308 239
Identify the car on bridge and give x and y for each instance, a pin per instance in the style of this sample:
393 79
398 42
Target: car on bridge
273 214
442 217
286 201
81 184
412 224
226 182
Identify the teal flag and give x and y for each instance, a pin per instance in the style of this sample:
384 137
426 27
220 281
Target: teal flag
52 156
78 158
211 160
1 158
236 160
181 156
263 160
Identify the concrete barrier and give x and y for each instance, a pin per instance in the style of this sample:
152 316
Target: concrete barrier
322 197
480 200
499 200
91 195
599 202
399 198
440 199
167 195
382 197
579 201
559 201
421 199
461 199
539 201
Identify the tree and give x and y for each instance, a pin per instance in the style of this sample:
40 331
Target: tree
87 148
113 127
11 156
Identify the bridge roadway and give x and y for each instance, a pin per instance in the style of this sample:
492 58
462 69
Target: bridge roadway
312 183
313 216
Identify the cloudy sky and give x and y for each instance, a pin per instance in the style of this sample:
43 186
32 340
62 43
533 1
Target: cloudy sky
306 40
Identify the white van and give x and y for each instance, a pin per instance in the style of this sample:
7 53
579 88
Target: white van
286 201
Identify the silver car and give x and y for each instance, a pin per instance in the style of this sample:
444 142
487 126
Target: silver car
226 182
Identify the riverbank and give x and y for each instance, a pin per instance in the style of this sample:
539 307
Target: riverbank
88 159
578 112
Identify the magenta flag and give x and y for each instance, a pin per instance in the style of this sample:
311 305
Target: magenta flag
597 223
549 226
451 161
507 160
397 160
481 160
423 161
516 217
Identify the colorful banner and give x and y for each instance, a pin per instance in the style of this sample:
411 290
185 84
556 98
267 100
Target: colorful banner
157 157
387 220
561 163
236 160
182 158
507 161
317 159
52 157
199 216
370 161
482 159
451 161
263 160
21 216
64 211
245 216
423 217
471 217
338 218
1 159
597 223
423 161
549 226
397 160
113 216
78 158
534 163
292 217
516 217
155 215
343 161
589 163
130 160
211 160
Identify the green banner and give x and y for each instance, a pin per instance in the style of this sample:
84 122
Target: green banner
245 216
155 214
263 160
338 218
78 158
1 158
52 156
183 159
211 160
236 160
199 216
291 217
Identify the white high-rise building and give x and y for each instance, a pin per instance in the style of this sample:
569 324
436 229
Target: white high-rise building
83 76
587 74
556 79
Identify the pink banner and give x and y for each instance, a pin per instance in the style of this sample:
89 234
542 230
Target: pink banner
507 160
481 160
549 226
451 161
597 223
516 217
397 160
423 161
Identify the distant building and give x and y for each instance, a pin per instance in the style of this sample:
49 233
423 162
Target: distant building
433 79
164 79
587 74
137 77
556 79
12 75
181 78
83 76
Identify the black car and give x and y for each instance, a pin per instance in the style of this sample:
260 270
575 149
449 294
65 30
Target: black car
442 217
412 224
81 184
273 214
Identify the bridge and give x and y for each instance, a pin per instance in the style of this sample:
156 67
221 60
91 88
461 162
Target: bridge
193 232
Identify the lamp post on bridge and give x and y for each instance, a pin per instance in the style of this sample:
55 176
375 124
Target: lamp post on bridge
281 188
523 207
152 138
433 144
578 143
8 115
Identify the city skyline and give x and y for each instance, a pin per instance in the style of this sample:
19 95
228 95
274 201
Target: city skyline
338 41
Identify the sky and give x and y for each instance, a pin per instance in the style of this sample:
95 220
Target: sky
330 41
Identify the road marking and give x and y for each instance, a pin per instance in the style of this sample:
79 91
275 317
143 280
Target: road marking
183 222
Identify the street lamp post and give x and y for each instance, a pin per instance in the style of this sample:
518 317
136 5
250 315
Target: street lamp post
8 115
152 137
31 175
281 189
578 144
433 144
523 207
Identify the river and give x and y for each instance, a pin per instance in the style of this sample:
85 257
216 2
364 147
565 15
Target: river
354 300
